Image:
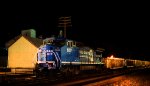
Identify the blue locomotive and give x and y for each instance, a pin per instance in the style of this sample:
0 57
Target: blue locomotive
67 56
48 56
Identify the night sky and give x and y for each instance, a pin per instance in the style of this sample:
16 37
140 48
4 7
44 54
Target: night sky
120 31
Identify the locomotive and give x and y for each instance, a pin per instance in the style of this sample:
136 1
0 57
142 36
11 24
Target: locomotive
66 56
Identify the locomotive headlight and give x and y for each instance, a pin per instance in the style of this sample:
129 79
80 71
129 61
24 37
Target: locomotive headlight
40 50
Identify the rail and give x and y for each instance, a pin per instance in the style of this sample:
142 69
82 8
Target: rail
5 70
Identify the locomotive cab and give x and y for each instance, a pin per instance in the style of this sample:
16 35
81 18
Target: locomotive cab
48 57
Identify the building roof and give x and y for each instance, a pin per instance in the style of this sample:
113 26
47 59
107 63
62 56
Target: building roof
35 41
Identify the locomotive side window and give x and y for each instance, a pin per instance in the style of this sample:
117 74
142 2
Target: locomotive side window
41 56
74 44
69 44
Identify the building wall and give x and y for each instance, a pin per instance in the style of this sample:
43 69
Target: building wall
22 54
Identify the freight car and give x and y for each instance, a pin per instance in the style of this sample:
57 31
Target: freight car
113 62
129 63
116 63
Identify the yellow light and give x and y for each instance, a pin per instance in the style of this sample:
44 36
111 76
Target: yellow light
111 56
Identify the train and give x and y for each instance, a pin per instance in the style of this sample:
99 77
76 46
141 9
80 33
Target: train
69 57
66 55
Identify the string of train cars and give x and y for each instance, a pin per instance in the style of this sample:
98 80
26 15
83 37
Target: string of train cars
115 63
68 56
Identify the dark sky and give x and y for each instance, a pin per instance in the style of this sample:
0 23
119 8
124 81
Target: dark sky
122 31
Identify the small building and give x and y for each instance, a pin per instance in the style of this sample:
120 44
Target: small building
22 51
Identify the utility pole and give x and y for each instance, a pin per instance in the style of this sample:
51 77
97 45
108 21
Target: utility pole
65 22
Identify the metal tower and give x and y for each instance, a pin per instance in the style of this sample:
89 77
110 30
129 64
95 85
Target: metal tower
64 22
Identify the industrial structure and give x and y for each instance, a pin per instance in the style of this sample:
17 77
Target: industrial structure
22 50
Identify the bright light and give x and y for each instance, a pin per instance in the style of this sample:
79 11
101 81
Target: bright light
111 56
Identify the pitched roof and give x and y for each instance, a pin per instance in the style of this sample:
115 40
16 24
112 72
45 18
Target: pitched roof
12 41
35 41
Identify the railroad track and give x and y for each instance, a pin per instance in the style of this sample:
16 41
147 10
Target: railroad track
40 81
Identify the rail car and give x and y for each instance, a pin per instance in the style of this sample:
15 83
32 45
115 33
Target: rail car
113 62
129 63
